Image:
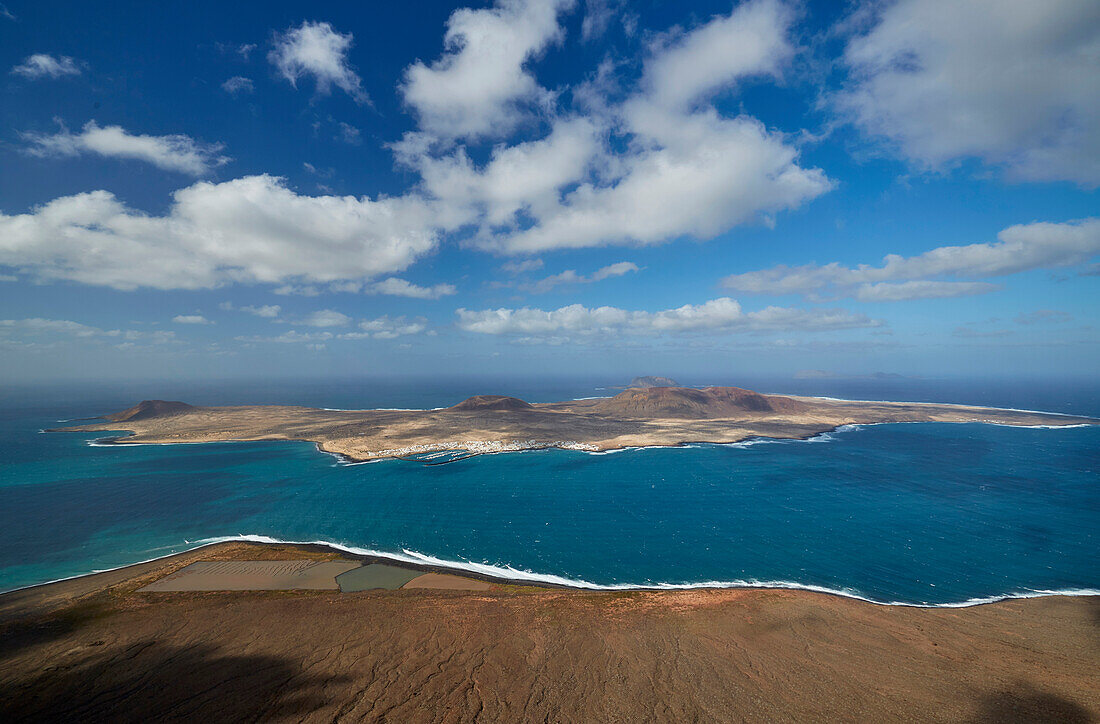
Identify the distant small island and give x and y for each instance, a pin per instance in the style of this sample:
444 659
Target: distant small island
653 382
636 417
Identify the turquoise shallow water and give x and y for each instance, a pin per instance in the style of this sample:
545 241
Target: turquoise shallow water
929 514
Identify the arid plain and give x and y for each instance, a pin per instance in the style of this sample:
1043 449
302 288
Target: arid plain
494 423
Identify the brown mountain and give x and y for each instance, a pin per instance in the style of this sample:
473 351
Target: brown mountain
490 402
147 409
683 402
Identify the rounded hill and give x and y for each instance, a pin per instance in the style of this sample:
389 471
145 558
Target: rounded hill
479 403
684 402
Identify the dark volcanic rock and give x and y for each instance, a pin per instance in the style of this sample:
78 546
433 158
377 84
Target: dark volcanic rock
151 408
491 402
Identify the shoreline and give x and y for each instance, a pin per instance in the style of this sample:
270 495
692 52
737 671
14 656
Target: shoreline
508 447
496 574
115 647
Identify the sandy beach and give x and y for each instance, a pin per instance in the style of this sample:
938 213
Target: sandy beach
97 648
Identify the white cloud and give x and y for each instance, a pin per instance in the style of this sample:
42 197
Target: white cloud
905 291
570 276
43 65
268 311
8 14
315 49
1011 82
39 325
676 169
1020 248
523 177
252 230
301 290
349 134
402 288
322 172
614 270
387 327
749 41
717 315
190 319
172 153
597 17
291 337
702 180
479 84
238 84
326 318
521 267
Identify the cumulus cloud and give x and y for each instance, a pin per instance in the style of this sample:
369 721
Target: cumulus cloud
43 65
597 17
292 337
238 84
268 311
717 315
526 176
252 229
326 318
1011 82
402 288
750 41
570 276
674 167
521 267
477 86
905 291
349 134
387 327
652 164
1020 248
317 51
190 319
39 325
172 153
14 331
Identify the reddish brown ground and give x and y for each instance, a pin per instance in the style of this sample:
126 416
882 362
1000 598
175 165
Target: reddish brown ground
94 649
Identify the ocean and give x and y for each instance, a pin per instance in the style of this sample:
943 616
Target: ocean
924 514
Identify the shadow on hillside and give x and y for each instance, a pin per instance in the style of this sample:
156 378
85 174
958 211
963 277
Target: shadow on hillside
149 681
28 632
1025 703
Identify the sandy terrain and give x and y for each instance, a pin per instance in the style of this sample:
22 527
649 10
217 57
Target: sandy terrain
636 417
254 576
96 649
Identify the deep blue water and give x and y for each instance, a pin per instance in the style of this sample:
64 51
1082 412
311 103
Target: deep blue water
927 513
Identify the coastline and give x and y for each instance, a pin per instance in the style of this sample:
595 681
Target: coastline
499 447
490 424
525 652
507 575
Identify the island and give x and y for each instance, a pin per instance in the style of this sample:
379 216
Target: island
636 417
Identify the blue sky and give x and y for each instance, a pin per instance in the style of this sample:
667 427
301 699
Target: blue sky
553 187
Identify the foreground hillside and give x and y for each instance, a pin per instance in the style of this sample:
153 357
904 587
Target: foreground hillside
96 649
495 423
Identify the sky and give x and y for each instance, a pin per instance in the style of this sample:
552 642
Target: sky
549 187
